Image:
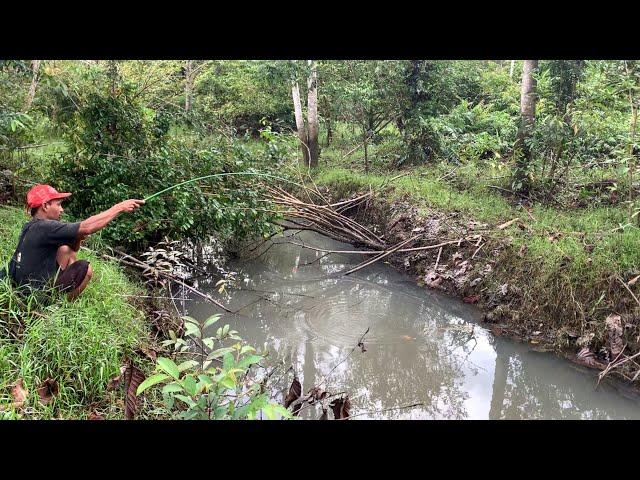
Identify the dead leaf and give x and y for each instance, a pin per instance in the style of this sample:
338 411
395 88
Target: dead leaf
463 267
614 334
504 288
522 250
456 257
133 377
433 280
316 394
341 407
475 282
587 357
19 393
585 340
48 390
506 224
115 381
554 237
295 390
95 416
633 281
150 353
471 299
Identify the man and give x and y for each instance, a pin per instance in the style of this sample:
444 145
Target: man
47 247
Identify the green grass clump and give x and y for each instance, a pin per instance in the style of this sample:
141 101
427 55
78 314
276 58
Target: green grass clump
80 344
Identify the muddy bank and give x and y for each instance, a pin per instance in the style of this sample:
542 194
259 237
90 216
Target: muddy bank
489 266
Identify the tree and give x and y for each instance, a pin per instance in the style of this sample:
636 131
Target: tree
307 131
300 125
190 73
312 105
35 68
527 121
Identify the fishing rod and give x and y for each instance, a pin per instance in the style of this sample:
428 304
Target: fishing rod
150 197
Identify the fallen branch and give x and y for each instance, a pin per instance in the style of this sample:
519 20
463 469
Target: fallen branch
380 257
141 264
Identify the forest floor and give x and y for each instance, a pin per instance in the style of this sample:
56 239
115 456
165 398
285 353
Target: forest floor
563 280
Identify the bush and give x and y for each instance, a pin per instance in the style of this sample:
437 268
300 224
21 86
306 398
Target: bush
119 149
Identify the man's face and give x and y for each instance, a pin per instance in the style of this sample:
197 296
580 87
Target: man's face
53 209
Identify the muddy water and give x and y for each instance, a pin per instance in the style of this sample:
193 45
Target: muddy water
421 348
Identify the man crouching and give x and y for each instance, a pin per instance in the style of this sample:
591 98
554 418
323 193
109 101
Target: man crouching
47 247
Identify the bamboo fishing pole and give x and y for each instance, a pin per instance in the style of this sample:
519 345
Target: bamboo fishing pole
150 197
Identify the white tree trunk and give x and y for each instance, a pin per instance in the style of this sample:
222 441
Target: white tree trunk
35 67
513 64
312 105
527 120
300 126
528 92
188 85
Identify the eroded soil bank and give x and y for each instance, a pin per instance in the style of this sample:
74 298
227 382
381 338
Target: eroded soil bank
498 267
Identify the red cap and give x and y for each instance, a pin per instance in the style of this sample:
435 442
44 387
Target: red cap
43 193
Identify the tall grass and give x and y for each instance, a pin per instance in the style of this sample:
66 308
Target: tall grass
79 344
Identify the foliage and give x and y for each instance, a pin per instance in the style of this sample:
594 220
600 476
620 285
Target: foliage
218 384
120 149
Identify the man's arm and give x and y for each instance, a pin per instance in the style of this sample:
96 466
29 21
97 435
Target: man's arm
101 220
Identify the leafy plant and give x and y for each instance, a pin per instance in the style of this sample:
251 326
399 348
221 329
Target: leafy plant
217 385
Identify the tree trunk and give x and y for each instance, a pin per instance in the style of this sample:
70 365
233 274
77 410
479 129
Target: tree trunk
527 120
188 85
312 105
35 67
513 64
366 151
300 126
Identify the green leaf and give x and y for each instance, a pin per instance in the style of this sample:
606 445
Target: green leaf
250 360
152 380
188 400
227 361
190 385
219 353
169 366
247 348
187 365
172 387
211 320
228 382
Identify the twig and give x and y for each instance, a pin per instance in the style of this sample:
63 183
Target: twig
384 410
140 264
477 250
380 257
437 259
628 289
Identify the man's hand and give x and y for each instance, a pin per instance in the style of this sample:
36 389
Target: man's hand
130 205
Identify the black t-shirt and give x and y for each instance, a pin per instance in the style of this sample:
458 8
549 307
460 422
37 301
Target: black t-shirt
34 261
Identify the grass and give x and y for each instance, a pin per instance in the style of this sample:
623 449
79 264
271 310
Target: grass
570 260
80 344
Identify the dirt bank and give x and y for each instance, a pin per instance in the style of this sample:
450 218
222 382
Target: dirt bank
490 265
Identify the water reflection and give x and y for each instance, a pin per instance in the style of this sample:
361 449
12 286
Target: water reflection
421 347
